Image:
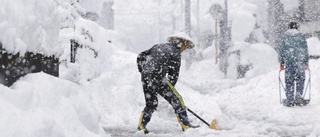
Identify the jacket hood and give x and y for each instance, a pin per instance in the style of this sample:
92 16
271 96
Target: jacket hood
292 32
181 35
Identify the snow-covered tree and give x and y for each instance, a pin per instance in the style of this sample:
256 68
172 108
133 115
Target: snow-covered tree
276 22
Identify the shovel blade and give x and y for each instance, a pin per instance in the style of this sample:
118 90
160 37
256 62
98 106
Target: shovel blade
213 124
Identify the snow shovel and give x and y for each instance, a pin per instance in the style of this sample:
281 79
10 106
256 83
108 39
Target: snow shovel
306 89
213 124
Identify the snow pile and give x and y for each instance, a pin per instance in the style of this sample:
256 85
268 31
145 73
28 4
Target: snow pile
38 104
42 20
314 46
93 57
316 131
262 58
240 16
35 25
42 105
117 91
243 22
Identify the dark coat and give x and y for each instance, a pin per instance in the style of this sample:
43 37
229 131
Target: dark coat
293 48
160 61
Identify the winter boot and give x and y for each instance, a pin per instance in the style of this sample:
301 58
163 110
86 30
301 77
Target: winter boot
288 103
143 121
183 120
301 102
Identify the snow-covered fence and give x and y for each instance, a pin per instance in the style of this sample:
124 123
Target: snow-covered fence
73 53
14 66
74 47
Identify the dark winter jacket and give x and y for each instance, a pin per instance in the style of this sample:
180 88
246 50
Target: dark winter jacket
293 48
161 60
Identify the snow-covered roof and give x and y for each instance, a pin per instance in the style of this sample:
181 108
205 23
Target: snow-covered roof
35 25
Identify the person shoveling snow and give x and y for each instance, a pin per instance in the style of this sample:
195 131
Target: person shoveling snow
159 67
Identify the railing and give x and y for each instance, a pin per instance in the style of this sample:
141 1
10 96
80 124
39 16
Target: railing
74 47
314 56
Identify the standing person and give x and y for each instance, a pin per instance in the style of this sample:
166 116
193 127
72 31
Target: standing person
159 67
294 58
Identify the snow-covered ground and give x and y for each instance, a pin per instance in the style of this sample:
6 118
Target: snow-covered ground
101 95
42 105
242 107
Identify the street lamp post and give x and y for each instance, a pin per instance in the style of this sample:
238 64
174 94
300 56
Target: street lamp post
216 12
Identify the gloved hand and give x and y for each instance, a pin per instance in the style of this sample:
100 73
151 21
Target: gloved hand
281 67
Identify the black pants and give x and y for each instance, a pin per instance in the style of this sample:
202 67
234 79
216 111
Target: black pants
155 84
294 78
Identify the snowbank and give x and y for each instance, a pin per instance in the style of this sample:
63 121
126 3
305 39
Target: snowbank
29 26
118 90
313 46
243 22
41 105
93 58
262 58
35 25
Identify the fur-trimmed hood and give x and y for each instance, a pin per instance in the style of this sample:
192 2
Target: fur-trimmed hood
181 35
